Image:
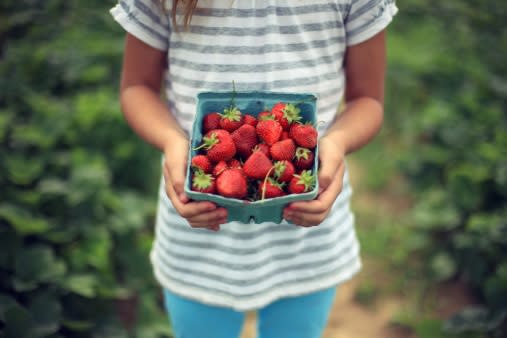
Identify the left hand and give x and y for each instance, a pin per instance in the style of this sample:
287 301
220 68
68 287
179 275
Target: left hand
330 176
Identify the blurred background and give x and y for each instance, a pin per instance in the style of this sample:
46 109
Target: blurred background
78 188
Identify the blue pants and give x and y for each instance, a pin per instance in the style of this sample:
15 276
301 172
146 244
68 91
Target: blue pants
294 317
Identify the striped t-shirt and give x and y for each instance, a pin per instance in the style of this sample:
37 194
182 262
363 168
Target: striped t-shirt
265 45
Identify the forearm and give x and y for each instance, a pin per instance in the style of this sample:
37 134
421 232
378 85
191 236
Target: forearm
149 117
357 125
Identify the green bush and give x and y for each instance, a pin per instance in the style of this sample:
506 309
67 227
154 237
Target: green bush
448 95
77 187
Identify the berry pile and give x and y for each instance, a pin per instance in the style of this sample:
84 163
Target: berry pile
246 157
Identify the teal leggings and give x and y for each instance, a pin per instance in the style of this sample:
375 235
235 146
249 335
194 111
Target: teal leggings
295 317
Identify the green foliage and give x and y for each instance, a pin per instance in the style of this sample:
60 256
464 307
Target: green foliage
77 186
448 99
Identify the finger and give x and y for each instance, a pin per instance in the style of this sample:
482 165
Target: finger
189 209
218 216
306 220
328 172
176 175
323 201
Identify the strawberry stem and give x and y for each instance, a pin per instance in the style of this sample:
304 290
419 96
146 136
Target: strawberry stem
263 195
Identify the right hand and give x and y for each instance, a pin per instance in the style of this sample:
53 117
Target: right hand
202 214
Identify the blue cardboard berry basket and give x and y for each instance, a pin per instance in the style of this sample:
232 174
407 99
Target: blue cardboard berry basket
253 102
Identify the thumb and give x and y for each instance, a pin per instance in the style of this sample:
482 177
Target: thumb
177 175
327 173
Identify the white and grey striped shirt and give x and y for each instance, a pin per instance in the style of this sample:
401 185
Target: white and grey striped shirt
265 45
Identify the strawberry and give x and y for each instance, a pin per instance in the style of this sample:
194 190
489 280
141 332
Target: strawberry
232 183
231 119
286 114
245 139
301 183
219 145
285 135
234 163
303 158
250 119
202 162
269 131
264 148
283 171
270 188
257 166
219 168
203 182
210 122
305 135
283 150
265 115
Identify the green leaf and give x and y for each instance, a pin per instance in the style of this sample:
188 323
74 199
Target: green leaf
77 325
474 319
6 302
6 117
38 264
18 322
22 220
10 244
22 169
46 311
83 284
443 266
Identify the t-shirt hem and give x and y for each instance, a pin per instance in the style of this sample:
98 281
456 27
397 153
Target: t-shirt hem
127 23
381 23
257 302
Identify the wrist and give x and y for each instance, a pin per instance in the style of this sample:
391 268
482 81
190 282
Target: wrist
338 140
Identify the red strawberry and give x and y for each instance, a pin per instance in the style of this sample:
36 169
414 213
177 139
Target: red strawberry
234 163
210 122
257 166
270 188
283 171
305 135
285 135
232 183
286 114
231 119
283 150
245 139
269 131
219 145
301 183
201 162
262 147
303 158
250 119
265 115
219 168
203 182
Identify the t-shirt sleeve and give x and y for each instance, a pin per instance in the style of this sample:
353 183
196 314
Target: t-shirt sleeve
367 18
145 19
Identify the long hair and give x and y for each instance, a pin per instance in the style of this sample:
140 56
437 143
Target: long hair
187 8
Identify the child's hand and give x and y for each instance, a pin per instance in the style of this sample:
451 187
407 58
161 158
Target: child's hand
198 214
331 171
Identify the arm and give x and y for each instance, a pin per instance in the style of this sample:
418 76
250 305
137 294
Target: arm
357 125
148 116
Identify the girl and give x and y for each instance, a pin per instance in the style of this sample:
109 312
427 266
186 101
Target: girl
287 272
